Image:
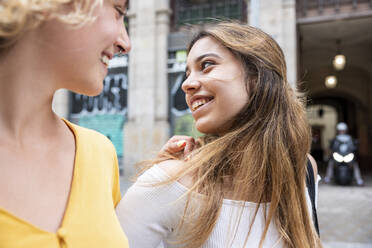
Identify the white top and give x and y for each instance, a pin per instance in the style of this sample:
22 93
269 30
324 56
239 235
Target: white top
149 215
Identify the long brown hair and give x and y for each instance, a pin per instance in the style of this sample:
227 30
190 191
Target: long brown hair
263 156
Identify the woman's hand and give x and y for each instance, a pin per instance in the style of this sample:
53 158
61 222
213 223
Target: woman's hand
178 143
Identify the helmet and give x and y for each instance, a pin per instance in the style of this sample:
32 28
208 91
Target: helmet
342 126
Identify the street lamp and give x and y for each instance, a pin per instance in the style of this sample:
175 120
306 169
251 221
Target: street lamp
330 81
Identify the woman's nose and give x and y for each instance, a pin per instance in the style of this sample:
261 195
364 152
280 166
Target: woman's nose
190 85
122 44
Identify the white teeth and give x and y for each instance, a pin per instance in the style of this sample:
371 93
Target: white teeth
105 59
198 103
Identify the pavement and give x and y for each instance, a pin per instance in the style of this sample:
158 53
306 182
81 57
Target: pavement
345 215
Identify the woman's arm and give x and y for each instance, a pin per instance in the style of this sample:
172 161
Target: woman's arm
148 214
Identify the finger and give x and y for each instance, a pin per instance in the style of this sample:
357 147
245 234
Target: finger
181 143
178 142
173 146
176 146
189 147
176 138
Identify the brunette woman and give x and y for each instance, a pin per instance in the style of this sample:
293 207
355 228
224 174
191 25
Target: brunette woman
244 186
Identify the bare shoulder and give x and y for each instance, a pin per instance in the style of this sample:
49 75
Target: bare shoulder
315 167
173 167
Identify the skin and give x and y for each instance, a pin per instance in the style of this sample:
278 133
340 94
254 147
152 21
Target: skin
213 71
37 149
178 143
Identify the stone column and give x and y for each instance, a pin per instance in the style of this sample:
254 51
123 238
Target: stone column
369 118
278 18
60 103
147 127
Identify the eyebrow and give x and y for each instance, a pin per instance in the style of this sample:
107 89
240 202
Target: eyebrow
203 56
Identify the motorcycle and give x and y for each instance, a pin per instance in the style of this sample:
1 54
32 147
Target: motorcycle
343 156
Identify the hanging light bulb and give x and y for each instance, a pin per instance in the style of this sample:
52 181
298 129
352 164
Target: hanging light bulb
330 81
339 62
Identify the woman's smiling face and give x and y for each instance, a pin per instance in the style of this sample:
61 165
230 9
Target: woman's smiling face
215 86
78 57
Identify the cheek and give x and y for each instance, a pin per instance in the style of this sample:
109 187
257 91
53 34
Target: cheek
231 105
108 27
234 92
231 102
110 31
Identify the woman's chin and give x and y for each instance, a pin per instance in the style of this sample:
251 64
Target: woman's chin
93 89
93 93
205 128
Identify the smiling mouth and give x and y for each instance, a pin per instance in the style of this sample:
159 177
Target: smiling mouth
199 103
105 60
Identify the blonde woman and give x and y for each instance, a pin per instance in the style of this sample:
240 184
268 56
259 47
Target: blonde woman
244 186
59 183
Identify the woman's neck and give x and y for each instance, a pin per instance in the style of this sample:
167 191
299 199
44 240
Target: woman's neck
26 93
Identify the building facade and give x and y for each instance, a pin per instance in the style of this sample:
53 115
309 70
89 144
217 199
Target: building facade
142 104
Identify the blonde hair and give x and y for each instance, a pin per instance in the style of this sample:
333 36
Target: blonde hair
263 156
20 16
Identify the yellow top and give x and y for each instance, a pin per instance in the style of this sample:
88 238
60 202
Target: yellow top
90 219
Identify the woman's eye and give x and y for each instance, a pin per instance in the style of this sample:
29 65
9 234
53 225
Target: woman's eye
206 64
120 11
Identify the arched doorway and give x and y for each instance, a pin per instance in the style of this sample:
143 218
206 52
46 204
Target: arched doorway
324 32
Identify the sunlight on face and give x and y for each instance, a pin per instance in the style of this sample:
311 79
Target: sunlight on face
78 58
215 86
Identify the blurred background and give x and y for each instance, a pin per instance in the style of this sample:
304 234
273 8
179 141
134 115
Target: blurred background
328 49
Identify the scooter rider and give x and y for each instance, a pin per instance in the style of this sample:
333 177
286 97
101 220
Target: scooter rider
343 137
